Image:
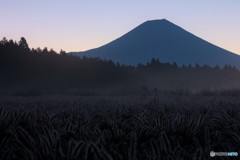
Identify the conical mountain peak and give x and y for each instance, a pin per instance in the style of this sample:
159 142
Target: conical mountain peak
166 41
158 21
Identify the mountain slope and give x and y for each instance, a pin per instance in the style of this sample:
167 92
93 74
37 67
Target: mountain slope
166 41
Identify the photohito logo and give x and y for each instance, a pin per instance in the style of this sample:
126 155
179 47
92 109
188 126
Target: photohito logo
231 154
212 154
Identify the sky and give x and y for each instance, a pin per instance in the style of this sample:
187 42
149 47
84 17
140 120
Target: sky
78 25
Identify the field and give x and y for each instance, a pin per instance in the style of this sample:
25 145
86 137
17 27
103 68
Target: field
160 127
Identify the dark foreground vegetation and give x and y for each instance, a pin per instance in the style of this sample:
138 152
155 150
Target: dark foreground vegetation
177 113
118 128
43 71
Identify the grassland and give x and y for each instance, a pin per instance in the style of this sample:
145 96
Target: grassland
118 128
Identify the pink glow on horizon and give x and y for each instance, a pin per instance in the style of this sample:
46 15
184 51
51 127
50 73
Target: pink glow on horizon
79 26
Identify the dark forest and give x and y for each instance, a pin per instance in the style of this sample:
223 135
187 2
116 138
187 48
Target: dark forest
43 71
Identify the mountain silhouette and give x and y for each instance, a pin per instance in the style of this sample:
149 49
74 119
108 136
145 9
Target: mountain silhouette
166 41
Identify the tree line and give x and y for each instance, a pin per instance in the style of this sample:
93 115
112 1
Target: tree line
22 67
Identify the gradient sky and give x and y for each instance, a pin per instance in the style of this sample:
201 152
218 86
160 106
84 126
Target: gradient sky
78 25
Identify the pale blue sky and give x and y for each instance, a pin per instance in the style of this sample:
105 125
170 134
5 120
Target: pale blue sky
78 25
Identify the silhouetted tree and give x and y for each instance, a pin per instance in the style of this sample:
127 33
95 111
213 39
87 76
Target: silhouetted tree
62 52
23 44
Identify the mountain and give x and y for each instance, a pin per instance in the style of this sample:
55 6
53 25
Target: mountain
166 41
